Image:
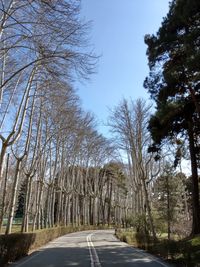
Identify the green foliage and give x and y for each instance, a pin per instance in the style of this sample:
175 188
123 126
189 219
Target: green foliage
173 55
174 52
187 252
139 222
127 236
168 188
21 200
140 227
129 221
159 223
170 203
174 84
115 171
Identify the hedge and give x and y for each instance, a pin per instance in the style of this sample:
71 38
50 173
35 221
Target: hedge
17 245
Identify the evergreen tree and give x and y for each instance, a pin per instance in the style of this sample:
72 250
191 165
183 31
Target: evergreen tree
174 83
21 201
168 197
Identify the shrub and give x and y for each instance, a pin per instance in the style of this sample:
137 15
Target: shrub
127 236
14 246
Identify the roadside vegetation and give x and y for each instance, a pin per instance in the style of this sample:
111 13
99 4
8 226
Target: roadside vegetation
17 245
169 225
59 174
180 253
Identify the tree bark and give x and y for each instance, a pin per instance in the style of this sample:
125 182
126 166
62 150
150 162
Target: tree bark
13 199
195 186
4 194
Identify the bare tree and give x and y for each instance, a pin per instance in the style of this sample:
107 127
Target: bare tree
129 122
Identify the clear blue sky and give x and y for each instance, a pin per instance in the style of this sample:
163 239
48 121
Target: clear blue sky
117 34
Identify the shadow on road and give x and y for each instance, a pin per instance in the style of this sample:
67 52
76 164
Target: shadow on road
78 255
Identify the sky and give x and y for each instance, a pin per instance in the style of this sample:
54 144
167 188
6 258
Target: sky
117 35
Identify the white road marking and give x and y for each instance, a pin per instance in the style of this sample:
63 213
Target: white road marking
93 253
91 257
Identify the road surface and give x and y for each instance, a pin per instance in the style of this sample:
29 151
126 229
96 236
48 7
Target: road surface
89 249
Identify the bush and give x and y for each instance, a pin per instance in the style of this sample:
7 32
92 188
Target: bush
14 246
127 236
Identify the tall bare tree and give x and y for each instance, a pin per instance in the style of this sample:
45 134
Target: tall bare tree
129 122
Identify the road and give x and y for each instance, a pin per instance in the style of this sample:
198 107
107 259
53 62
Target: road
89 249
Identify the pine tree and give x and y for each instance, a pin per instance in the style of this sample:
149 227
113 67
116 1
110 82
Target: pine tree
21 201
168 197
174 83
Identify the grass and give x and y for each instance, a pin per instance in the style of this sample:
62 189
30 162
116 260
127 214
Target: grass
16 228
127 236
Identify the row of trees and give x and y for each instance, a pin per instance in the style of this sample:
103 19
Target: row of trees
55 168
51 156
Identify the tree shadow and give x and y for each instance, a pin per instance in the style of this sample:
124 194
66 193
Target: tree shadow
77 254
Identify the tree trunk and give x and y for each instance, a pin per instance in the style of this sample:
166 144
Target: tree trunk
195 186
168 210
53 207
4 194
37 207
2 156
25 221
110 204
13 199
149 209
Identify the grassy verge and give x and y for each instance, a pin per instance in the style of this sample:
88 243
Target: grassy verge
17 245
183 253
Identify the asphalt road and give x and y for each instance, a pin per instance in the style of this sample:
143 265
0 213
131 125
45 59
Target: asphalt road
89 249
